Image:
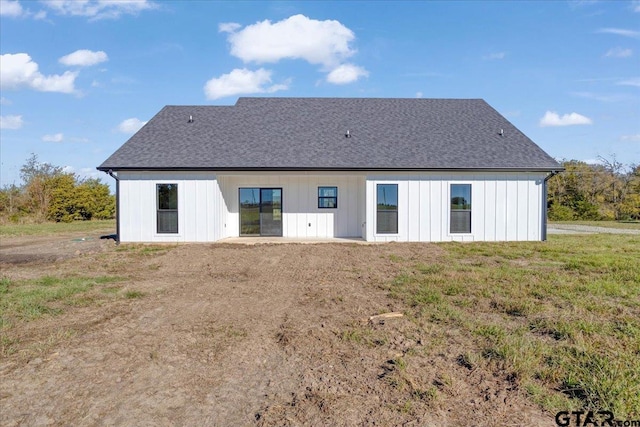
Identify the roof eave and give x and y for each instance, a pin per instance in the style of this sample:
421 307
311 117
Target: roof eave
325 169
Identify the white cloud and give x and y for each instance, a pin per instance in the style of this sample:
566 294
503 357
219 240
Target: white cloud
241 81
84 58
10 8
297 37
593 161
346 73
551 118
99 9
496 55
13 9
618 52
79 139
419 94
11 122
635 81
18 71
90 173
58 137
326 43
635 5
131 125
229 27
632 138
5 101
620 32
612 97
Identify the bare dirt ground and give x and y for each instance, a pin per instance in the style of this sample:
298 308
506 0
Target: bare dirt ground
235 335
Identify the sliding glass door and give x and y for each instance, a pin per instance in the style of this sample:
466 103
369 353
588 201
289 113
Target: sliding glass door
261 211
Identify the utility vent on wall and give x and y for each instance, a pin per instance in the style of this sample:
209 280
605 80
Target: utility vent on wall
348 134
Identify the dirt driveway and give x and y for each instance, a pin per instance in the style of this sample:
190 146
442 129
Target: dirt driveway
234 335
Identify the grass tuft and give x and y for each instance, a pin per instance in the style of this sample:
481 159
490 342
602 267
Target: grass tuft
133 294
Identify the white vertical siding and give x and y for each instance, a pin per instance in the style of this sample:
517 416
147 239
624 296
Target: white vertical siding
490 200
414 202
199 215
505 206
301 216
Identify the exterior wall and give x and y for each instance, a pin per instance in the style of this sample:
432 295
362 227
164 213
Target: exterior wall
504 206
301 216
201 207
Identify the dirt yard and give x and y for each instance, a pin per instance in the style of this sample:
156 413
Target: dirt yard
235 335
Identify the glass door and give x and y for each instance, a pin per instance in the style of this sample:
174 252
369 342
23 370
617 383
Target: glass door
271 211
249 211
261 211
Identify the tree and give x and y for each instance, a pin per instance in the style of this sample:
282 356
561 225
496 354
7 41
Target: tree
595 192
37 184
629 206
11 200
49 193
73 199
94 200
62 205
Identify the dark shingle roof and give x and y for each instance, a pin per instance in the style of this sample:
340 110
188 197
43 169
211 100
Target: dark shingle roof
309 133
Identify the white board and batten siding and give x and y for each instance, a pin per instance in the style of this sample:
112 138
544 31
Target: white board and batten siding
201 209
301 217
208 206
505 206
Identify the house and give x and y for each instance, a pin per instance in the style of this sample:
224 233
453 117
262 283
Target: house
377 169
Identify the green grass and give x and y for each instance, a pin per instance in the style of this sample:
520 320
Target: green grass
628 225
51 228
144 249
133 294
560 318
27 300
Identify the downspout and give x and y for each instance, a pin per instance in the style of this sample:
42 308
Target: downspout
544 196
112 175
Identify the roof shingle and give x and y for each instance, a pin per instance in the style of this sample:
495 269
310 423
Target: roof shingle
309 133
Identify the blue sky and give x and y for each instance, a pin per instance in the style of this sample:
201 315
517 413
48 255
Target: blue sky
78 78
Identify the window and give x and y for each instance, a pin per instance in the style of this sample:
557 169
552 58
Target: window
460 208
327 197
387 211
167 208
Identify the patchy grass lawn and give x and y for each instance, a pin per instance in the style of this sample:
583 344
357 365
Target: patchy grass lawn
52 228
561 317
29 300
626 225
489 329
26 300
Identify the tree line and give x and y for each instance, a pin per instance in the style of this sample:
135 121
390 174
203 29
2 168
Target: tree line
609 190
48 193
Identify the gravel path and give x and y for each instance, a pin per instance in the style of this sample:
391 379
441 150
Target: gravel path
586 229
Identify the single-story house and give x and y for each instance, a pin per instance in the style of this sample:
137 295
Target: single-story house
419 170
